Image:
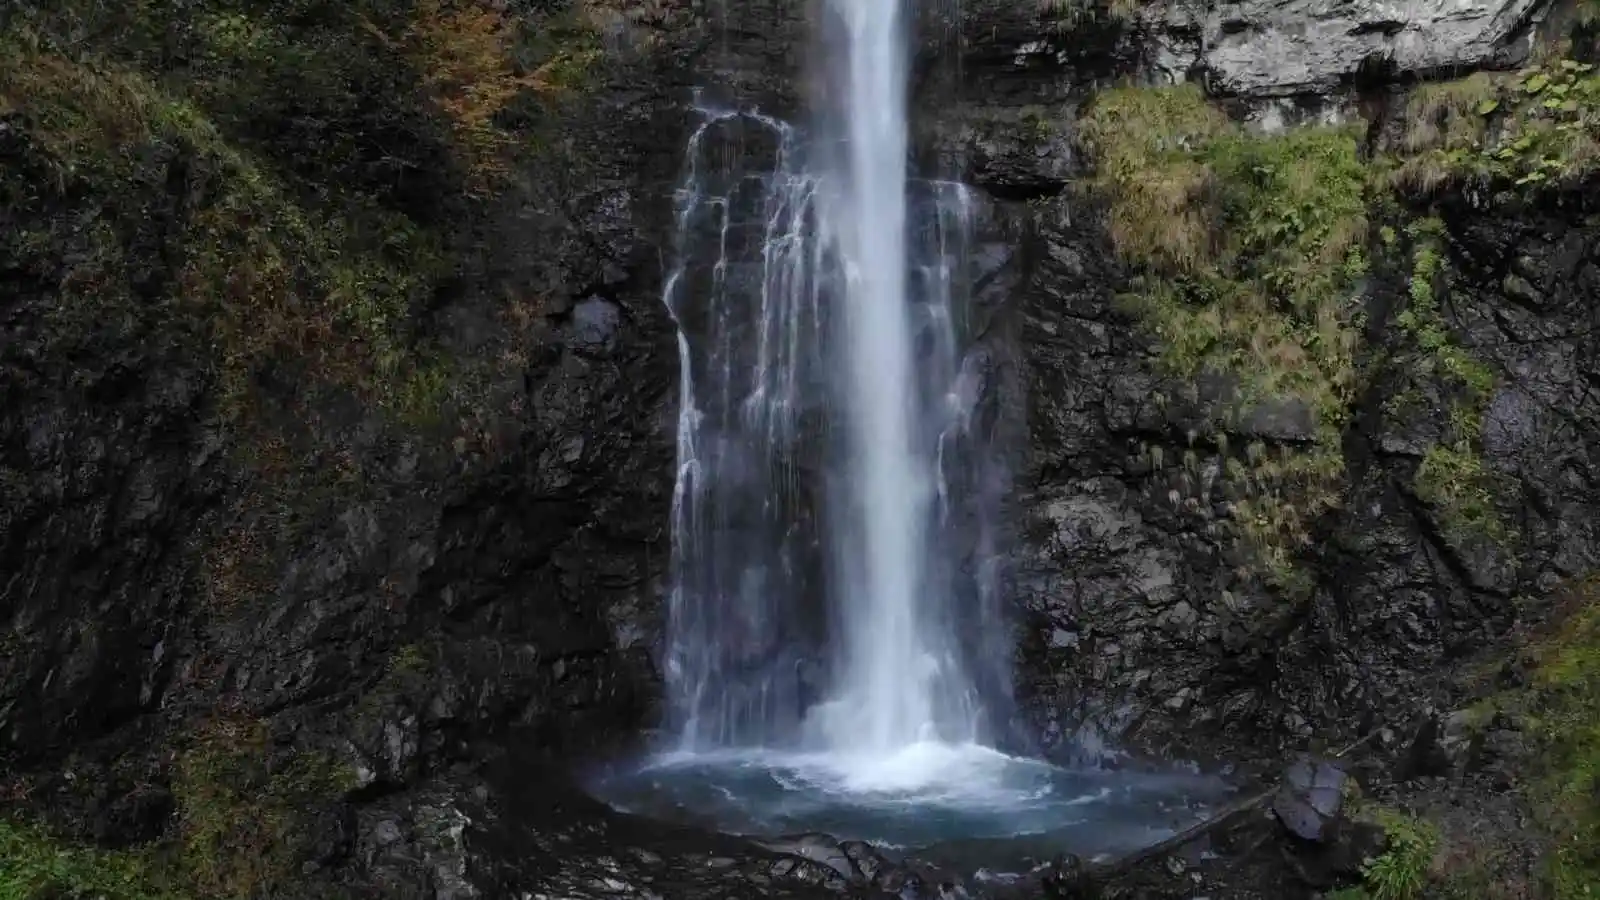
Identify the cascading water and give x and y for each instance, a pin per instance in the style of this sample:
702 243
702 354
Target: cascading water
833 623
824 458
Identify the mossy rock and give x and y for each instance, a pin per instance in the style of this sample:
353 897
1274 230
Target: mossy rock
245 809
1245 250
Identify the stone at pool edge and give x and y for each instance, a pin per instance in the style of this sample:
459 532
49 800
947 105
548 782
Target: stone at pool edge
1309 800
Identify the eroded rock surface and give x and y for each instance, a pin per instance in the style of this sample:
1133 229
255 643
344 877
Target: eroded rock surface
1284 47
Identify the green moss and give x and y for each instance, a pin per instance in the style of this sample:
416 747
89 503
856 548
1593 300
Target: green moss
1036 127
1452 476
34 864
1559 711
1246 249
407 660
277 280
241 818
1565 715
405 676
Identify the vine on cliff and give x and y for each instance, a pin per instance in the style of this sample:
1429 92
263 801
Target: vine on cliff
1451 477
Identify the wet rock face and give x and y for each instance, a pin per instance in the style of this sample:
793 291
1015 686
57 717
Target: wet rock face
1136 619
388 603
1140 622
118 476
506 574
1263 49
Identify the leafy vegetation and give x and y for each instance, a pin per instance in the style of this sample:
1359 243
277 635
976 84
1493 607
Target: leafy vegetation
242 815
1540 124
326 147
1557 709
466 57
1402 870
1246 251
274 193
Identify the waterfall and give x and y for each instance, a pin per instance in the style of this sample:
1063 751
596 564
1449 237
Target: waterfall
899 681
746 290
836 658
833 562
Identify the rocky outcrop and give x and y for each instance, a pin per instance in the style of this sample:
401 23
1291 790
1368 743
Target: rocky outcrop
1275 48
1140 623
254 527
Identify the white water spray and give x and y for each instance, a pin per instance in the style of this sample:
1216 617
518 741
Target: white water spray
894 669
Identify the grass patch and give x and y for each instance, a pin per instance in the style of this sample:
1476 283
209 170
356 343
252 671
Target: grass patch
1144 142
1245 250
1403 870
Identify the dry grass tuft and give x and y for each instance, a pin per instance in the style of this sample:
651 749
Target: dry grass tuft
1143 141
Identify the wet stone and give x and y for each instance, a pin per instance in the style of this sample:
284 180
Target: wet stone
1310 798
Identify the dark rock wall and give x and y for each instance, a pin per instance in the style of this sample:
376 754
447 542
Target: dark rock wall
265 564
165 560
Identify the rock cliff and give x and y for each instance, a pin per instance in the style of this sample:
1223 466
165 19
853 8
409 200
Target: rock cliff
336 435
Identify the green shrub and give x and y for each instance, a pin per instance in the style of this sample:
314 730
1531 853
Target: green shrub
1541 124
35 865
1246 250
1401 871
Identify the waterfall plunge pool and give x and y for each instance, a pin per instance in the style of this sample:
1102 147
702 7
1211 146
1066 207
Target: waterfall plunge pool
968 806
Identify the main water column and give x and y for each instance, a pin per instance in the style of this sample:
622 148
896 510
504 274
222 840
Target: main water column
886 685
